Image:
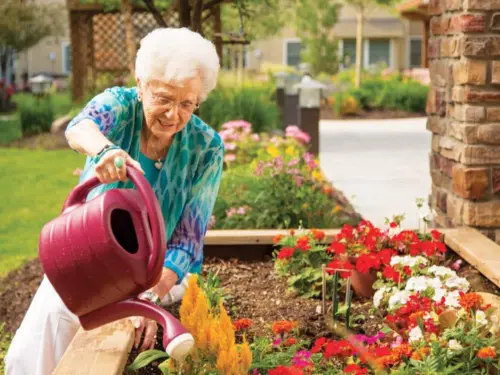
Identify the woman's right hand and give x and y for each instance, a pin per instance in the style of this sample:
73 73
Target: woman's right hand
106 170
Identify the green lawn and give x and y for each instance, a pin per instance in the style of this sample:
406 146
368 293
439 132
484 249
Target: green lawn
33 187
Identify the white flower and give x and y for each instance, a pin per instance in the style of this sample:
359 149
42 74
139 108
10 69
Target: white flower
416 334
379 295
481 318
439 293
451 299
408 260
434 283
399 298
454 345
442 271
417 283
459 283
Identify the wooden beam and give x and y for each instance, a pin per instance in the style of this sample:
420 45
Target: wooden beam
103 350
477 249
252 237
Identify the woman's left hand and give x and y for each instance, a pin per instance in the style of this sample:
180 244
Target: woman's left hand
147 327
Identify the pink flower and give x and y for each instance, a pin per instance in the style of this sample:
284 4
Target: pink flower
241 211
211 222
255 137
278 162
239 125
276 342
309 159
294 132
230 146
229 157
293 162
299 180
259 169
302 358
294 171
231 212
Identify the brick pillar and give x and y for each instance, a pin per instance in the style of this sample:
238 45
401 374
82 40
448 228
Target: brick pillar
464 113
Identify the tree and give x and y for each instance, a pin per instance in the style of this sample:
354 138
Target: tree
22 26
362 6
314 23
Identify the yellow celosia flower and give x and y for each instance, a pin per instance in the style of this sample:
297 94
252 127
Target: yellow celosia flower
290 150
273 151
245 357
336 209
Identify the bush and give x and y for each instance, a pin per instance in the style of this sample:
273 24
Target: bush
10 128
254 104
36 114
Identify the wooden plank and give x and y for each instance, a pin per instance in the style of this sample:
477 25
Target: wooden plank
252 237
477 249
103 350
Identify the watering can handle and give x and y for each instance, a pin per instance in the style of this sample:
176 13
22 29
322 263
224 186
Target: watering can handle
80 192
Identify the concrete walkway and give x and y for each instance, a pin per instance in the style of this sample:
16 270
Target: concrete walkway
382 166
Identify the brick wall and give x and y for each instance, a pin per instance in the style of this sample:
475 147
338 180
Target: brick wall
464 113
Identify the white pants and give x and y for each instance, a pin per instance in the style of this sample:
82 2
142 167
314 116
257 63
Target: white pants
47 330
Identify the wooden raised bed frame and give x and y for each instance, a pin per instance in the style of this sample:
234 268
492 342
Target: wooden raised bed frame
105 350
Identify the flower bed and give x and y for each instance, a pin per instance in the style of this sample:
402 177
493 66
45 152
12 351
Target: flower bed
272 182
425 316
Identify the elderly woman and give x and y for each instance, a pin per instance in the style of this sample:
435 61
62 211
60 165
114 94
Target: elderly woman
152 127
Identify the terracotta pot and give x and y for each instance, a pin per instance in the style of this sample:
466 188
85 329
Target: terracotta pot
362 283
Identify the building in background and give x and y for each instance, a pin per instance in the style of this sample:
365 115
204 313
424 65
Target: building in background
388 39
51 57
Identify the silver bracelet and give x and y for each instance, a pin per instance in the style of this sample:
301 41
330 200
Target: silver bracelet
151 297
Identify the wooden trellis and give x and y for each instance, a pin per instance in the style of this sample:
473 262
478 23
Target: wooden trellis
99 51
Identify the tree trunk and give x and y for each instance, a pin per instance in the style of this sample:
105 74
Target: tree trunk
184 13
129 35
196 20
155 12
359 46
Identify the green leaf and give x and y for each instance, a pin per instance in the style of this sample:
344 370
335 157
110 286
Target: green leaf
145 358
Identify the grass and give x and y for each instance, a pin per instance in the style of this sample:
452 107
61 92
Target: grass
4 346
33 187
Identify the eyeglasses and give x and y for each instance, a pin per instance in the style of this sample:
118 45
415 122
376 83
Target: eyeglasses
167 104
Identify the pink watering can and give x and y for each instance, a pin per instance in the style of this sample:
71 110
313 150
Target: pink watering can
102 253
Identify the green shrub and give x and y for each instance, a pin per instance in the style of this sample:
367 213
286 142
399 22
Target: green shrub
10 128
36 114
250 103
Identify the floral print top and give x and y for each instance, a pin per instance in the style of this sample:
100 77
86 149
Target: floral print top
187 184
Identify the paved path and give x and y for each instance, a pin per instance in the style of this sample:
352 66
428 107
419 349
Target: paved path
384 164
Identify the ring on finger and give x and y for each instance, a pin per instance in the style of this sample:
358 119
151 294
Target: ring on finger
118 162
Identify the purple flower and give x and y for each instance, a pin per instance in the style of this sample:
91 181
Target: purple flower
302 358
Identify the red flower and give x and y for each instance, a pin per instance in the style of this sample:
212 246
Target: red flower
242 324
393 225
407 270
391 274
290 341
385 255
366 262
303 244
488 352
355 369
336 265
318 345
282 370
341 348
336 248
470 301
436 235
283 326
318 235
286 253
382 351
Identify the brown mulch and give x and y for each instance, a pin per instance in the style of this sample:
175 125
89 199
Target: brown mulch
329 114
46 141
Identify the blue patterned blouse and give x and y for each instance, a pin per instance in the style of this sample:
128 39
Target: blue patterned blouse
187 184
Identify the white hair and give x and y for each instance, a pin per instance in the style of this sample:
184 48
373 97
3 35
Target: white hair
176 54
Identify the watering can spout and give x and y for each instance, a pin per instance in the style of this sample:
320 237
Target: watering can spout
176 340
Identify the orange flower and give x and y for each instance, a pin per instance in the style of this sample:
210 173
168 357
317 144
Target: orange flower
242 324
488 352
283 326
318 235
290 341
387 360
470 301
278 238
403 350
421 353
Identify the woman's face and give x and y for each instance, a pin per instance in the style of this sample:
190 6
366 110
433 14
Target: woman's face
168 107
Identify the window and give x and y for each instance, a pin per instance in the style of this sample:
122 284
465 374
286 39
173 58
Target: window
379 51
415 53
348 52
66 58
292 52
